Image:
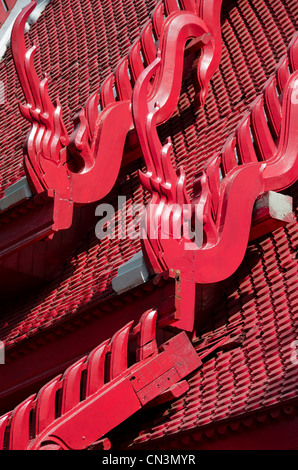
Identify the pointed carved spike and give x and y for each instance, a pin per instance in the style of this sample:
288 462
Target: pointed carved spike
78 146
171 6
54 147
181 194
71 386
281 172
40 135
45 408
35 115
154 215
165 227
212 173
282 74
228 155
148 44
145 179
155 146
47 105
141 120
123 82
168 192
149 229
188 5
36 184
64 139
19 437
107 92
119 351
96 369
197 185
158 19
25 111
147 345
135 60
155 183
176 219
46 116
80 134
58 134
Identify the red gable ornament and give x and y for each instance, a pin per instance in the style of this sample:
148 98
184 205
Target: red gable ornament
260 156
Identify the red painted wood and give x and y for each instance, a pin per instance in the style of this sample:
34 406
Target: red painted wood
24 375
77 420
224 199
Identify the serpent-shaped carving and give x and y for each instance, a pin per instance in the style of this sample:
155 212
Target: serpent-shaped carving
261 155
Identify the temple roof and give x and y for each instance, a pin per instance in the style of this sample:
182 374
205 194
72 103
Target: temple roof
80 44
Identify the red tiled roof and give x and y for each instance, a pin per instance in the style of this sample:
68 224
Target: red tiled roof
255 36
80 44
